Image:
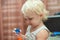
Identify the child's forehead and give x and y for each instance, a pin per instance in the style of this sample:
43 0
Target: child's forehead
31 13
29 16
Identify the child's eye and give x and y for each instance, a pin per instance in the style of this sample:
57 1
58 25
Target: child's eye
25 19
30 18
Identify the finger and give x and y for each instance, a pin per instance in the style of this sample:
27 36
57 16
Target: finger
23 36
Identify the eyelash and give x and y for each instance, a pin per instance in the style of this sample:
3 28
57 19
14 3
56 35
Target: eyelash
25 19
30 18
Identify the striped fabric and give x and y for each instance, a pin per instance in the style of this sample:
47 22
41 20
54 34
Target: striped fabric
11 18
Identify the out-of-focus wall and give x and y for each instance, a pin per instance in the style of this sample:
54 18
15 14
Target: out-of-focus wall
0 21
10 18
53 6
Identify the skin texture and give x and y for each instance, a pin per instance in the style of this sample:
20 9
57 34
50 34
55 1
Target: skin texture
43 35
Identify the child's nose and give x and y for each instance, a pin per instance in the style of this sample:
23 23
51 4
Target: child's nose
29 22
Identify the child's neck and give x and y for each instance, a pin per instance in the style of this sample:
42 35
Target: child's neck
36 27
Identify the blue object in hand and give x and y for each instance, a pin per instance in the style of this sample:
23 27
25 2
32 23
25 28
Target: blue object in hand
17 30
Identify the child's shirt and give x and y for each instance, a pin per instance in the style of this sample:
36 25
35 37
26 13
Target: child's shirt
32 35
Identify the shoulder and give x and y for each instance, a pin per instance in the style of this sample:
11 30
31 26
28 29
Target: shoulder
43 34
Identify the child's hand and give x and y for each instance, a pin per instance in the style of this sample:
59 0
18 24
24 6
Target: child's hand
22 36
17 31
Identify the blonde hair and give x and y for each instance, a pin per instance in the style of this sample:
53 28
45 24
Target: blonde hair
36 6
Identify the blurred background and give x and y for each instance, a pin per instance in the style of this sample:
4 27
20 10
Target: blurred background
11 17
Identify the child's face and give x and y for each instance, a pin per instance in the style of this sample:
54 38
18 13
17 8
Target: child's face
33 19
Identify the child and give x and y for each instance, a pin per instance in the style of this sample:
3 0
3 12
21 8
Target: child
35 13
